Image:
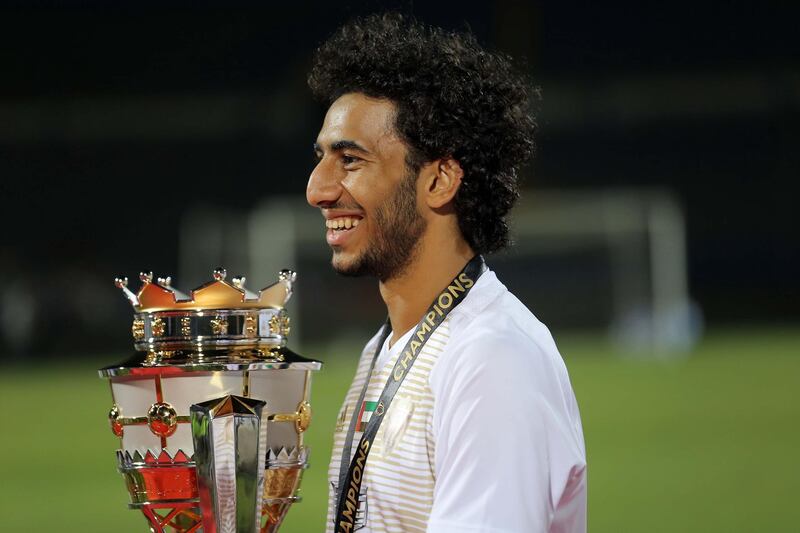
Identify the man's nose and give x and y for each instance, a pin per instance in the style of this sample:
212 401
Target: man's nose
323 185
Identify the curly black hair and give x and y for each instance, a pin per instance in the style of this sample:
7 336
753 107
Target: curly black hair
453 98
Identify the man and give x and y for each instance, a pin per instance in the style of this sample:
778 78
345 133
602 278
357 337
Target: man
461 416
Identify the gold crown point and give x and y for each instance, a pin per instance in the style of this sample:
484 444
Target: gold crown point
239 282
287 275
220 274
122 283
146 277
166 284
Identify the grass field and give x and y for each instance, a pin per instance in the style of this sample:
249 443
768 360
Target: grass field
708 443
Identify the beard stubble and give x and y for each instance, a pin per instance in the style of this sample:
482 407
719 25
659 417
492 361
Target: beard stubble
398 228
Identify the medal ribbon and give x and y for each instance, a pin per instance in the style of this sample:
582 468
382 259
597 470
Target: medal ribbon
350 479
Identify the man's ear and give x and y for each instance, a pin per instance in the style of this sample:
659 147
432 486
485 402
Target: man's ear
442 180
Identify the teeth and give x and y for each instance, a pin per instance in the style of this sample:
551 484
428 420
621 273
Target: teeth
342 223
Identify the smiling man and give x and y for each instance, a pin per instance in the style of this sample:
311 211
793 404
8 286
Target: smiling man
461 416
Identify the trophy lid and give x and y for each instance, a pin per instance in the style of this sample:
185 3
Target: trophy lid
220 316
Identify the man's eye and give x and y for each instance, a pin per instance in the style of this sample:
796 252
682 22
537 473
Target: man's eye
350 159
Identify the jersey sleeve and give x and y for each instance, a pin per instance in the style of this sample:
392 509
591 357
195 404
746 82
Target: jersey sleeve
508 446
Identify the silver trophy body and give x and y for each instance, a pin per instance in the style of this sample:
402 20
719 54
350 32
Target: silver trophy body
212 408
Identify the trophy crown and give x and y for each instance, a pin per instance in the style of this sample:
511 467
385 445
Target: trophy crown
160 295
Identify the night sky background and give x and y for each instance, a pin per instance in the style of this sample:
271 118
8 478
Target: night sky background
114 121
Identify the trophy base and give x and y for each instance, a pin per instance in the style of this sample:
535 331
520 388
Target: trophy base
185 517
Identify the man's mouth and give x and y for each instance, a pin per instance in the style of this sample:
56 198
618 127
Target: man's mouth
340 229
342 223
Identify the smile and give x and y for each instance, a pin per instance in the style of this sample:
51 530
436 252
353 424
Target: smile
342 223
341 229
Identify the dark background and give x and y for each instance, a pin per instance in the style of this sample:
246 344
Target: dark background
114 121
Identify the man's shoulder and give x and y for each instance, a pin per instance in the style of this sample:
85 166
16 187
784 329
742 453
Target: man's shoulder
506 354
503 324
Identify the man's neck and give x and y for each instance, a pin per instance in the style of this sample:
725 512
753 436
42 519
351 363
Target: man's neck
435 263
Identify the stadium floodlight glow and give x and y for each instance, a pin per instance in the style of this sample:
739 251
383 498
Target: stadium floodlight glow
211 409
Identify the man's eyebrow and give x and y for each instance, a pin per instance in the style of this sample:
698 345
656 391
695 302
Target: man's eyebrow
338 146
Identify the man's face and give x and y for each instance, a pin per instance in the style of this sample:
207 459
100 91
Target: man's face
365 190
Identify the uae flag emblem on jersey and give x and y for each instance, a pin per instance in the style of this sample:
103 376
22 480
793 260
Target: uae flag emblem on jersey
367 408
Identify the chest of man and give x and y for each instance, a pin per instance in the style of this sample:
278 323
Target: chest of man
399 472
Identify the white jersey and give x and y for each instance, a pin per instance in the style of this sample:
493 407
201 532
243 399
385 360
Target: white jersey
484 434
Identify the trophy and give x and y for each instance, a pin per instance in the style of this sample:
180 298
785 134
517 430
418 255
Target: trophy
211 409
